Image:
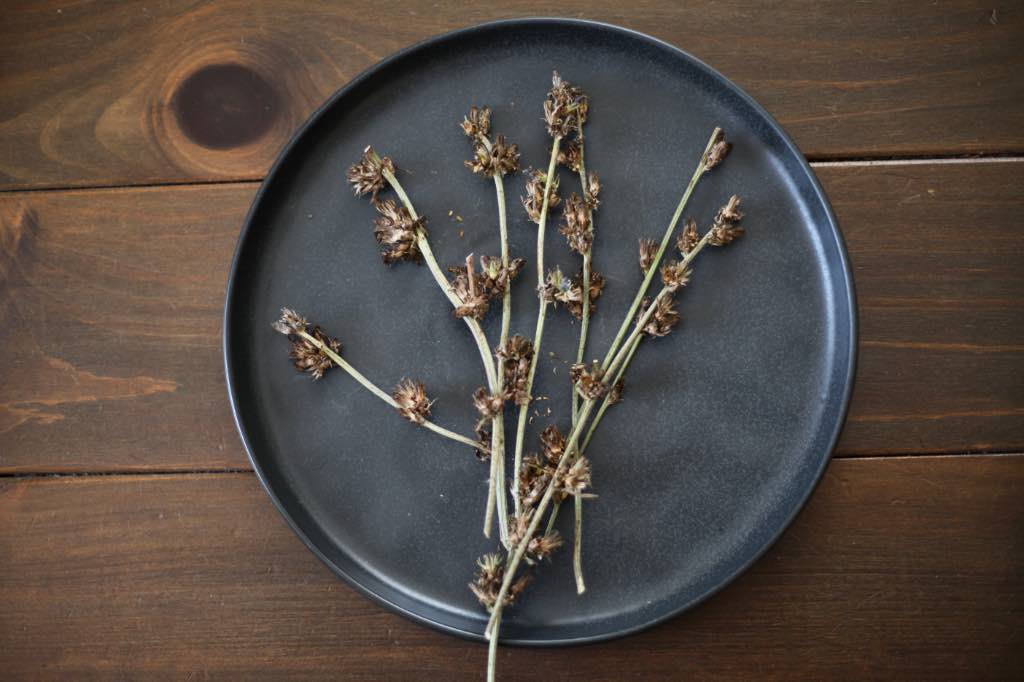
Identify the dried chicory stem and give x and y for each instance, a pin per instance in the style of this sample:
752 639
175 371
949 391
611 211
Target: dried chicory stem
314 352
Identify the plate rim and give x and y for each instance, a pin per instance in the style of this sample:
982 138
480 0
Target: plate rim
841 250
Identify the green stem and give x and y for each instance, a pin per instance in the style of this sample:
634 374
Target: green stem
606 402
520 550
542 309
492 655
649 277
376 390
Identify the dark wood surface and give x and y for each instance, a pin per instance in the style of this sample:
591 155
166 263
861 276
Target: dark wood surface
127 134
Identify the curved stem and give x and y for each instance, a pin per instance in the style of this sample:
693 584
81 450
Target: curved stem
377 391
538 334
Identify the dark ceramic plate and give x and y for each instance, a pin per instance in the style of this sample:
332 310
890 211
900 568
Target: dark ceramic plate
727 424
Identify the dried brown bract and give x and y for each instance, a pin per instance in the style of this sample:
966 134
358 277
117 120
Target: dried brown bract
615 393
556 286
486 583
477 290
533 202
726 227
517 353
543 546
575 304
501 159
576 225
688 238
477 123
495 277
569 155
593 191
367 175
720 149
589 380
664 319
487 404
674 275
552 444
397 231
483 437
412 400
533 480
307 356
576 479
648 249
565 108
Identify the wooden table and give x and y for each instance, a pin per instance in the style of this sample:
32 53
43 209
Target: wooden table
136 542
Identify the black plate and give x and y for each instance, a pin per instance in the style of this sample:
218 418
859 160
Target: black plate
727 424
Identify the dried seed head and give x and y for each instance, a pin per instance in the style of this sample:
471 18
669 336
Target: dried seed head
552 444
674 275
569 155
664 319
565 108
542 546
486 585
519 525
502 158
720 149
574 303
593 190
688 238
487 404
367 175
589 380
533 480
556 286
576 225
648 250
476 290
517 353
615 394
307 356
477 123
533 202
397 232
726 227
576 479
412 400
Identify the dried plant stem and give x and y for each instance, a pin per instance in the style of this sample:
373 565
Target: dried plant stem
516 556
492 654
376 390
542 309
651 271
606 403
497 424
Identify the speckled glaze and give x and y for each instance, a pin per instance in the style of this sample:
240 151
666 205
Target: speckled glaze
727 424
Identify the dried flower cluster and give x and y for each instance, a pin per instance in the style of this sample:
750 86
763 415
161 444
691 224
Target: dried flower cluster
726 227
565 108
569 290
518 353
308 355
476 290
533 202
412 401
589 380
487 582
397 232
367 176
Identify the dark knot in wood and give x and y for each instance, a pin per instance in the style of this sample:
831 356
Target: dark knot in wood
222 106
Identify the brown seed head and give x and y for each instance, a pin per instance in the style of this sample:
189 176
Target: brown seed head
589 380
726 227
565 108
615 394
533 480
396 231
517 353
290 322
674 275
664 319
576 479
487 404
502 158
477 123
533 202
412 400
593 190
576 224
569 155
307 356
542 546
648 250
688 238
552 444
483 438
367 175
486 585
719 150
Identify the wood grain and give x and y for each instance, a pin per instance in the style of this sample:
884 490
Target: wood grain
898 568
111 93
110 306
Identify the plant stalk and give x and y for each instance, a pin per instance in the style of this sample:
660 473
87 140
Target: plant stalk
376 390
541 311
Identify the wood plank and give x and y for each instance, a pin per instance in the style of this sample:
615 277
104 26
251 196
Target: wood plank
110 304
90 89
899 568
